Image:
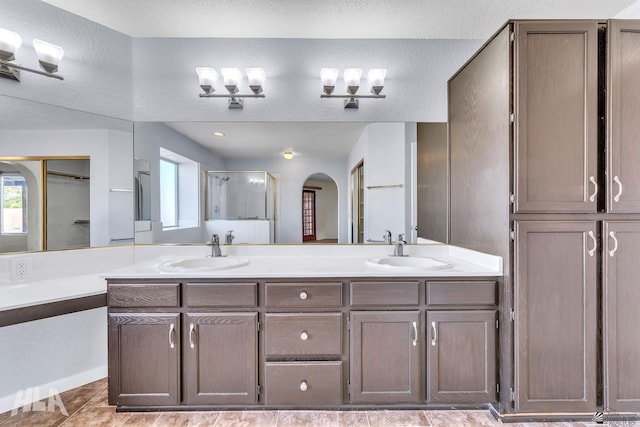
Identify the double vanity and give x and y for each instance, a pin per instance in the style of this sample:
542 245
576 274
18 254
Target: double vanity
305 327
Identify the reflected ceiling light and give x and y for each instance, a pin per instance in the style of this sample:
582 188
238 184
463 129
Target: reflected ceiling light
352 77
288 155
218 134
49 56
232 77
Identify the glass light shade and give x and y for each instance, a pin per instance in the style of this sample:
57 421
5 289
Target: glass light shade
255 76
288 155
9 43
329 76
207 78
376 76
49 55
352 76
231 76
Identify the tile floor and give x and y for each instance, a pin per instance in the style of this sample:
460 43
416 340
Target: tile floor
87 406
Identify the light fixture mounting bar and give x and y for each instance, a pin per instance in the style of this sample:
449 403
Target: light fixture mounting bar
352 96
8 64
235 95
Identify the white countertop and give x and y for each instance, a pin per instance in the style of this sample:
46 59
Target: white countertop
332 261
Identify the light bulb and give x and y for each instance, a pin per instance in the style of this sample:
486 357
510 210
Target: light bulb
256 78
49 55
376 79
329 76
207 78
352 79
288 155
232 78
9 43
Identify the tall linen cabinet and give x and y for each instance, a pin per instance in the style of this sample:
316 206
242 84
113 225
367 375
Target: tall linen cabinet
544 152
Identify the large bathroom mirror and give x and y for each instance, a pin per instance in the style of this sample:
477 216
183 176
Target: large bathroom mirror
385 153
66 178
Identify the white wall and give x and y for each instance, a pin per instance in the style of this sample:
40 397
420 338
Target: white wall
631 12
326 209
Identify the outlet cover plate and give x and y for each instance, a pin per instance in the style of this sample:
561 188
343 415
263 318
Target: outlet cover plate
21 268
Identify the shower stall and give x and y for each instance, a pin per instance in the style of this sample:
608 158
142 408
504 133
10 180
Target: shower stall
241 202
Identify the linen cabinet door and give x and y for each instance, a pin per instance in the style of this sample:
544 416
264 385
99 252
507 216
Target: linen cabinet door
622 316
556 316
144 359
556 116
461 356
623 126
385 357
221 358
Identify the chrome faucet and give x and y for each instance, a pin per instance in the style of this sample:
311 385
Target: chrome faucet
215 246
398 249
228 238
387 237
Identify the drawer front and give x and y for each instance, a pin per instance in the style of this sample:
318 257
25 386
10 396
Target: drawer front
303 334
300 295
385 293
143 295
462 293
308 383
221 294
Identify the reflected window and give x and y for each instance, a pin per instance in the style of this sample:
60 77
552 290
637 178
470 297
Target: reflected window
168 193
13 188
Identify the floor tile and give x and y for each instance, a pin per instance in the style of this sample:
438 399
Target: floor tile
96 417
353 419
461 418
246 419
307 419
187 419
397 419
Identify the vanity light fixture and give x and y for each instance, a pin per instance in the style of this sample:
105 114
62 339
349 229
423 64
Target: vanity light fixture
232 77
288 155
352 76
49 56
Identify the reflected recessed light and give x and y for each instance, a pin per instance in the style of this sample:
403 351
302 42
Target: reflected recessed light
218 134
288 155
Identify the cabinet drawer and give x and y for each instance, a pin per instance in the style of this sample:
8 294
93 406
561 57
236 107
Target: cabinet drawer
143 295
299 295
462 293
303 334
385 293
308 383
221 294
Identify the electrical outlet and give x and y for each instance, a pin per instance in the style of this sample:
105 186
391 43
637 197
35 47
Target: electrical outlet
21 268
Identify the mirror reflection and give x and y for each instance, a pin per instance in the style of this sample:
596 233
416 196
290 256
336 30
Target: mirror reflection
175 149
67 178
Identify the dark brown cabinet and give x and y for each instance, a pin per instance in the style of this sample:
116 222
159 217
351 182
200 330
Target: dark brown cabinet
144 359
556 316
385 357
220 358
621 315
556 116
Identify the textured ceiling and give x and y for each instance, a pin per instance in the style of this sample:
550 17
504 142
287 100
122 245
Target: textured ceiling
433 19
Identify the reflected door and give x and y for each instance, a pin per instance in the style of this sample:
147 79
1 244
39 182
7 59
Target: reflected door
308 215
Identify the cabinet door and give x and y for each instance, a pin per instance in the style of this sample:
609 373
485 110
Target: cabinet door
220 352
556 313
622 316
556 116
385 357
623 126
144 359
461 356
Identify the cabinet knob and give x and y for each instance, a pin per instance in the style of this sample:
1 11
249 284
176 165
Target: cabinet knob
304 295
303 386
304 335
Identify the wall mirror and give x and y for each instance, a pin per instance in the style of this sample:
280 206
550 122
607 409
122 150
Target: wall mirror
321 151
67 178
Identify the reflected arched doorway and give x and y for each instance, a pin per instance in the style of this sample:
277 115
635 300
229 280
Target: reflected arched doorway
320 210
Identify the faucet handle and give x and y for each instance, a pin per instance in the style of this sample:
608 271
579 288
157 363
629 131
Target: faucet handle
401 239
215 238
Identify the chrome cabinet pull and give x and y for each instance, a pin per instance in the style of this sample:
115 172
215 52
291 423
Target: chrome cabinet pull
616 198
434 334
192 329
415 334
304 335
303 385
615 242
592 197
172 338
304 295
592 251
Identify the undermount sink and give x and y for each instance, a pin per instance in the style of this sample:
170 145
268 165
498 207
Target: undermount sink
202 264
409 263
